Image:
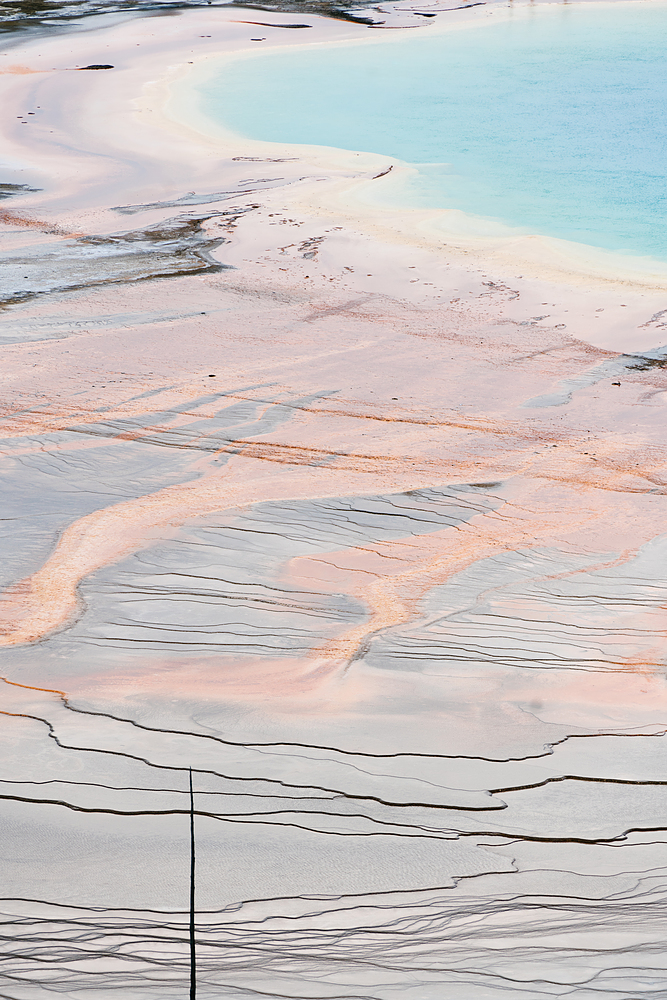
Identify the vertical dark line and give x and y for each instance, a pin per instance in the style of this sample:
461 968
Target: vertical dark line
193 960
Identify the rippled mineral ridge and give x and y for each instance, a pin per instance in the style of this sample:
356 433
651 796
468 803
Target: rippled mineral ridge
362 522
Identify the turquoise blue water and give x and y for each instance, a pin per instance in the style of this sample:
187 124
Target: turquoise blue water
554 122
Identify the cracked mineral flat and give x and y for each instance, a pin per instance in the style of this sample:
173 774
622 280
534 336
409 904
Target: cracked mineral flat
346 505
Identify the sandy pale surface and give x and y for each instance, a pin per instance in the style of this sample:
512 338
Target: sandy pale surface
357 512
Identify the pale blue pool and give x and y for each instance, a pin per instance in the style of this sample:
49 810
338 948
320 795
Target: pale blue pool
554 122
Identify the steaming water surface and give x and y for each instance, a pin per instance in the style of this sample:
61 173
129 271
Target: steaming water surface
553 122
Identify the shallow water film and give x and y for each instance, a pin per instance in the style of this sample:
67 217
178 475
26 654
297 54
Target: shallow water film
354 523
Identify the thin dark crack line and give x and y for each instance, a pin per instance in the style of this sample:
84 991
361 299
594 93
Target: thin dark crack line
548 751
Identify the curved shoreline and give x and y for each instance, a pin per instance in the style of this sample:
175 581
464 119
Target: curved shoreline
152 120
355 198
360 524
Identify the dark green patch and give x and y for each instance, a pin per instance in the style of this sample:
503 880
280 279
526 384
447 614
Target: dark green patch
47 15
9 190
644 364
